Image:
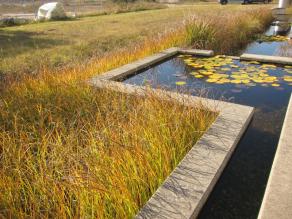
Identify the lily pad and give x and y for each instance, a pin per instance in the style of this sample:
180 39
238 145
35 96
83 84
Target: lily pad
254 62
211 80
207 73
288 78
269 66
272 38
180 83
235 81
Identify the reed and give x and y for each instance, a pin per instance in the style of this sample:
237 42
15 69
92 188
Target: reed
73 152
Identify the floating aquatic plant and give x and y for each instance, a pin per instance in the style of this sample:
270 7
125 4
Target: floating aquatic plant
224 70
288 78
179 83
272 38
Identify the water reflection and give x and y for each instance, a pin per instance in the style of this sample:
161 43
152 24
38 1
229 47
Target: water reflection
276 48
286 49
239 191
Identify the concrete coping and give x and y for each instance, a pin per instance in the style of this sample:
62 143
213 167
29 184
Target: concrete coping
186 189
130 69
277 202
198 52
266 59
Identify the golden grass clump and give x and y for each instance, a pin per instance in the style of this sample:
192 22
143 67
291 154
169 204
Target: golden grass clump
224 32
82 153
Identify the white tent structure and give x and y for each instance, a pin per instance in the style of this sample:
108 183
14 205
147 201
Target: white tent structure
52 10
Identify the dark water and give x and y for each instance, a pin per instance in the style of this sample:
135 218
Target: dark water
283 48
240 189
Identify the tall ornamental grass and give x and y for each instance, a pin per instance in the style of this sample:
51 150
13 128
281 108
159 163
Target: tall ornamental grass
74 152
67 150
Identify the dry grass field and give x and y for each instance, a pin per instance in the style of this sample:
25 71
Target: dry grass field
28 48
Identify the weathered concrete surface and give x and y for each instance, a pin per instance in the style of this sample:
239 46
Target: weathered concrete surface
132 68
185 191
198 52
266 59
277 202
183 99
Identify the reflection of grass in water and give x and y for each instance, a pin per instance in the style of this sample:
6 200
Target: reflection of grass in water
272 38
269 121
286 49
224 70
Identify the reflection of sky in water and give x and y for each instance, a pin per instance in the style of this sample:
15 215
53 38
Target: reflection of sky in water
269 48
261 95
241 187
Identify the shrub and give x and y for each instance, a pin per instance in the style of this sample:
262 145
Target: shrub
199 33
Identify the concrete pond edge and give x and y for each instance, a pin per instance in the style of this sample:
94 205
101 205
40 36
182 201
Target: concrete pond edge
266 59
186 189
277 201
141 64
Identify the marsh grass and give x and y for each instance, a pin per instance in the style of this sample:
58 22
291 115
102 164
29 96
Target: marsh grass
226 33
199 32
69 151
74 152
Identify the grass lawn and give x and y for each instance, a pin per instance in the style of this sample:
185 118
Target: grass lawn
30 47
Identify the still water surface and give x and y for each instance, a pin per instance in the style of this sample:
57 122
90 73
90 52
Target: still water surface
240 189
283 48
